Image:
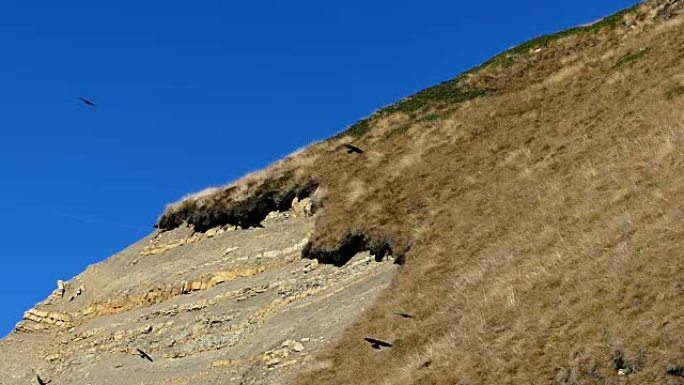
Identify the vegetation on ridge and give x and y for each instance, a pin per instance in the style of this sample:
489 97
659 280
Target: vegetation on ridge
453 91
508 57
447 93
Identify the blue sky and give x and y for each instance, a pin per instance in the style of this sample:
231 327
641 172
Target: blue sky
194 94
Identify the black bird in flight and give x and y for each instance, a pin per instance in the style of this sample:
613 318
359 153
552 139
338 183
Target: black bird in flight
87 102
377 344
144 355
353 149
39 379
403 315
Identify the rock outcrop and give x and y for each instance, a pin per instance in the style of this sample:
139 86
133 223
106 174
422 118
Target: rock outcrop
220 307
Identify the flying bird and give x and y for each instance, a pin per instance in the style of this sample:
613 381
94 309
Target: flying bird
144 355
403 315
377 344
353 149
87 102
39 379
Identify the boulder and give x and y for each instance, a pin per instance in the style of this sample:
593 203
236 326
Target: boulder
302 208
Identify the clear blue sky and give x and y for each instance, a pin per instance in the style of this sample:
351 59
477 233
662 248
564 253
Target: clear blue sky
194 94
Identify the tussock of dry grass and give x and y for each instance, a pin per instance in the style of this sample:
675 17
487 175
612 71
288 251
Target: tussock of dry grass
545 220
283 177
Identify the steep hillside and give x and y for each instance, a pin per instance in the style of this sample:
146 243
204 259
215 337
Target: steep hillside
533 203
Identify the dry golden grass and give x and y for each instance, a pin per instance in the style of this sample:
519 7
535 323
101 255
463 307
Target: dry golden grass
545 220
546 226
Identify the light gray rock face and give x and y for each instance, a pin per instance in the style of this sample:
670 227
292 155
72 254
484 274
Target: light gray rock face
227 306
303 208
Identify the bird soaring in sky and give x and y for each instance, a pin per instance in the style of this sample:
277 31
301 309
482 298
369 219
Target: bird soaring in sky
378 344
353 149
144 355
87 102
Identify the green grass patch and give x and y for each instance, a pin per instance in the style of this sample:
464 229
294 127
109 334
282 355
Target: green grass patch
399 130
358 129
631 58
430 118
509 57
453 92
446 93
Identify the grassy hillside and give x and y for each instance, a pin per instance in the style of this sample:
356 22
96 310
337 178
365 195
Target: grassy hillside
537 200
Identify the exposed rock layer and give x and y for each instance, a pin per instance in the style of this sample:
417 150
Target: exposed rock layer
226 306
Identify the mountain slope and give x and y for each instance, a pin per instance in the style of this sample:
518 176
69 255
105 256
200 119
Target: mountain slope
533 203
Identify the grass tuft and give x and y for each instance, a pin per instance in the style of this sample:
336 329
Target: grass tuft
674 92
399 130
631 58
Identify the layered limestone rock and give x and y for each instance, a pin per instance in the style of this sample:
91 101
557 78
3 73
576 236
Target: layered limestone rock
225 306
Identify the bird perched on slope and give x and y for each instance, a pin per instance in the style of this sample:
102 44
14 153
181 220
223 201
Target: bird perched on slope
353 149
39 379
377 344
675 370
87 102
144 355
403 315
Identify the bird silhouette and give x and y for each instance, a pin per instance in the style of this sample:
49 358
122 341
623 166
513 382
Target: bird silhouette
403 315
675 370
353 149
144 355
39 379
377 344
87 102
